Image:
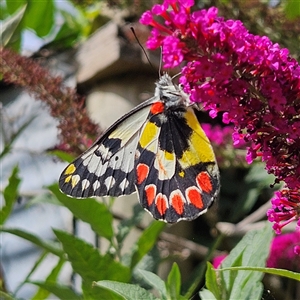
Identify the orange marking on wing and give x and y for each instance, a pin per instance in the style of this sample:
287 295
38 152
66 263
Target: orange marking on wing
161 203
150 191
157 108
204 182
194 196
142 171
177 201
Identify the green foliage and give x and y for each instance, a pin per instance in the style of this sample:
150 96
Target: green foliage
39 18
235 284
88 210
61 292
292 9
146 241
125 290
10 25
173 285
106 274
10 195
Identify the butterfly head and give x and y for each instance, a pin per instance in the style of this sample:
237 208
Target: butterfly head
171 94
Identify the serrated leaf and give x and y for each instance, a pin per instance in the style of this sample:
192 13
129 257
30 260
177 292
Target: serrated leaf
88 262
93 292
248 252
88 210
48 246
174 282
126 290
9 26
155 281
60 291
146 241
211 281
10 194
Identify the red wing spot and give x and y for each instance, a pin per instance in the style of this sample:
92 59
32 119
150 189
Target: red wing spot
177 200
157 108
204 182
142 171
194 196
161 203
150 191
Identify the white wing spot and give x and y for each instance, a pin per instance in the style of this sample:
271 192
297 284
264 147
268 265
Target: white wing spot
85 184
96 185
92 164
109 182
75 179
124 184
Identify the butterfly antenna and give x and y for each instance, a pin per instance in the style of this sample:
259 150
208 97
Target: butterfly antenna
143 49
160 61
174 76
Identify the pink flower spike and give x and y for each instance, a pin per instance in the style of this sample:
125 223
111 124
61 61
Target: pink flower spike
225 118
146 18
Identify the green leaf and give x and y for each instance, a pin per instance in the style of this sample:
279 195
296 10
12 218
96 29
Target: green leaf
279 272
12 6
155 281
48 246
248 252
292 9
43 293
88 262
40 17
207 295
7 146
91 291
5 296
62 155
127 291
38 262
9 26
211 281
125 225
88 210
174 282
146 241
60 291
44 198
10 194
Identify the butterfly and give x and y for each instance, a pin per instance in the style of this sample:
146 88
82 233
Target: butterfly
157 149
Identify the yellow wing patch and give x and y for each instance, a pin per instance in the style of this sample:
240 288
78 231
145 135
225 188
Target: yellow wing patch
199 150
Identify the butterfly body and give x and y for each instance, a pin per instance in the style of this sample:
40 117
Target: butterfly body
159 150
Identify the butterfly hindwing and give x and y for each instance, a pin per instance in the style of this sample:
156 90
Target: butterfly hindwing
178 178
106 169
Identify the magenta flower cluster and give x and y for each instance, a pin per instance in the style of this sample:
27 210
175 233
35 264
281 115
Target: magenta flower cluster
253 82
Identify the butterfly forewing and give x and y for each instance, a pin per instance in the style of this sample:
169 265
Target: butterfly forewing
106 169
